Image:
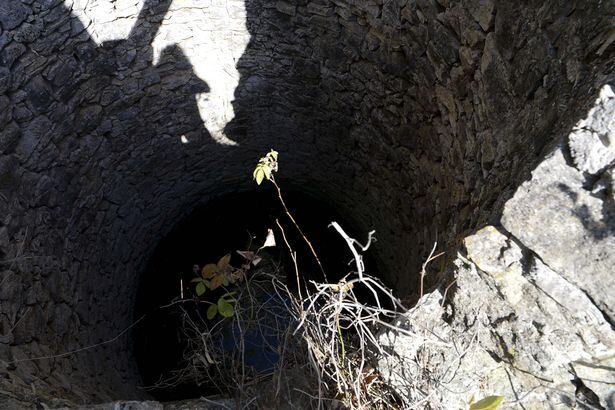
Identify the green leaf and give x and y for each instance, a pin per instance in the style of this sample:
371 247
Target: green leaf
200 288
229 296
212 311
488 403
259 175
267 172
225 308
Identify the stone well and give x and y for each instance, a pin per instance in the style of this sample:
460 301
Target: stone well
118 118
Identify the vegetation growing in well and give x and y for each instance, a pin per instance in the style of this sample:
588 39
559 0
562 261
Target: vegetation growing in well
318 344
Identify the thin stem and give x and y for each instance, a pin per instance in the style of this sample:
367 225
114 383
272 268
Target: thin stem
430 258
298 228
292 255
339 332
446 291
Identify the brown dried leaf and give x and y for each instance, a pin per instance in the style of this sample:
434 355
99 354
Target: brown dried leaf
247 255
224 261
209 270
216 281
237 275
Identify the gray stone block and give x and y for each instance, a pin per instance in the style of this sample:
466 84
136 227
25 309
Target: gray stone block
557 218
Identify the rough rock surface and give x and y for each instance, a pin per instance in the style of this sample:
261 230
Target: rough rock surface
418 119
532 315
513 328
592 142
558 216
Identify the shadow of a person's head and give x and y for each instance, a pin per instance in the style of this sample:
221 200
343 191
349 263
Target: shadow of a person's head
159 96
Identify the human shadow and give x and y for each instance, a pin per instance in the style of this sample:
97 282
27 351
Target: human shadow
93 138
139 87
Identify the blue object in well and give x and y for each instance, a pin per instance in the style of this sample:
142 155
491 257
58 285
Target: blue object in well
263 335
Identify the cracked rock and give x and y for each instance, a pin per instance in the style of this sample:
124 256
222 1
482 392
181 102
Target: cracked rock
567 226
518 329
592 142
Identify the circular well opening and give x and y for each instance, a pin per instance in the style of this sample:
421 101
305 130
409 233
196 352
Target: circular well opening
222 226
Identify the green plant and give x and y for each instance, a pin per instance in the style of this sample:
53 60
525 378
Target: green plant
215 275
328 337
488 403
335 328
224 306
266 166
222 274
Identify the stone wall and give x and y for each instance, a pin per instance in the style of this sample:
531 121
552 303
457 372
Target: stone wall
434 112
532 312
415 118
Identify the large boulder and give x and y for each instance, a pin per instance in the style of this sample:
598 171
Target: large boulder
514 328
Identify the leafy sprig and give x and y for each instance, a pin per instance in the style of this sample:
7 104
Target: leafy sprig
266 166
222 274
215 275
